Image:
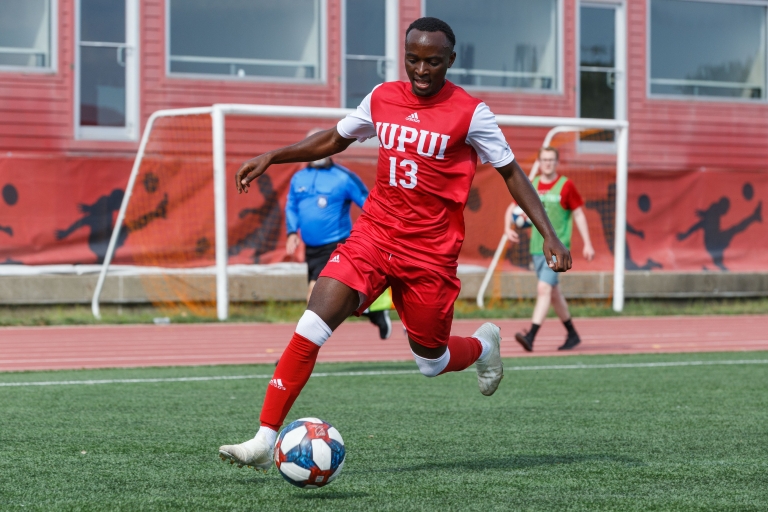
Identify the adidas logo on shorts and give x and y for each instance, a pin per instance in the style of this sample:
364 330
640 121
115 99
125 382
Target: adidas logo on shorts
335 259
413 118
278 383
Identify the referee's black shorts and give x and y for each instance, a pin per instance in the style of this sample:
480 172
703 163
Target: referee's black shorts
317 256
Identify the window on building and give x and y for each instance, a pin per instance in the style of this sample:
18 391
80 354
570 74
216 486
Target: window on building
366 48
25 33
246 38
502 43
708 49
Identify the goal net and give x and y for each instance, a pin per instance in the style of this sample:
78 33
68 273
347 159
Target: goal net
184 230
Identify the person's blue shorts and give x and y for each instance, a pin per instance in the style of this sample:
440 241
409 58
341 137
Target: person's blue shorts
543 272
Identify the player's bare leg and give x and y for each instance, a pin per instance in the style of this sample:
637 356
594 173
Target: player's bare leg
561 308
544 295
559 304
330 304
543 301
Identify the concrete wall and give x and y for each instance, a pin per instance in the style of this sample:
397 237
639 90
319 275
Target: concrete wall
73 289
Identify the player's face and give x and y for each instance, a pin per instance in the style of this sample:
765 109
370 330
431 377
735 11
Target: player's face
547 163
428 56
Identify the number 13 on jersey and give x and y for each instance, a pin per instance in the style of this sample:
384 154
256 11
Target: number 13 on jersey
411 168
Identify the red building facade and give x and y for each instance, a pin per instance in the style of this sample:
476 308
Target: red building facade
79 79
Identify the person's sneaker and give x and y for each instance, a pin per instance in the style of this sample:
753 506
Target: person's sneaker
254 453
382 321
490 369
525 339
571 341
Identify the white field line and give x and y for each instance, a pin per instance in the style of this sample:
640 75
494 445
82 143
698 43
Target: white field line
660 364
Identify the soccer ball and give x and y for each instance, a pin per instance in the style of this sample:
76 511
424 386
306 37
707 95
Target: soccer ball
309 453
519 218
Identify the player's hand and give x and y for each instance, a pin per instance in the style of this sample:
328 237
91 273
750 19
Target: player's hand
512 236
562 256
249 171
291 244
589 252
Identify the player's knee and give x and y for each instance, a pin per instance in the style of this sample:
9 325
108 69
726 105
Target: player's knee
432 367
312 327
544 288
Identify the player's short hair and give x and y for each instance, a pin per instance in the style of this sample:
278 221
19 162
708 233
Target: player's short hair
429 24
550 148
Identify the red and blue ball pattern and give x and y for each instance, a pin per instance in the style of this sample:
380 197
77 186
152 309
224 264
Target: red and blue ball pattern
309 453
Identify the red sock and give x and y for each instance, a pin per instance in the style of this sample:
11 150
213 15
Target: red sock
464 352
292 373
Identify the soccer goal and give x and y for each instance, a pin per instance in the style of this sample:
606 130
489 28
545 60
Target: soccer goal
175 224
570 134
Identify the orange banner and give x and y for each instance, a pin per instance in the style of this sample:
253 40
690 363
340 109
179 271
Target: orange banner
63 210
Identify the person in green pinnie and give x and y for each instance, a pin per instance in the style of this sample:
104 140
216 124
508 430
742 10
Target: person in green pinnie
564 206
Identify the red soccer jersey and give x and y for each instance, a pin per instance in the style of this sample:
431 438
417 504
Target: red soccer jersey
428 150
570 199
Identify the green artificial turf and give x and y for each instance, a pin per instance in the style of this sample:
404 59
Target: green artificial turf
596 438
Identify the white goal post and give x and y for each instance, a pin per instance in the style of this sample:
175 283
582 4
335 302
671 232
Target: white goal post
218 113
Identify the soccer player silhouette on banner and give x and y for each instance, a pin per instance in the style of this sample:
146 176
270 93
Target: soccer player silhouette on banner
317 213
266 235
10 197
606 208
98 217
410 233
717 240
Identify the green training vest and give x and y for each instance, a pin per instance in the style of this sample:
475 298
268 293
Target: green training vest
558 216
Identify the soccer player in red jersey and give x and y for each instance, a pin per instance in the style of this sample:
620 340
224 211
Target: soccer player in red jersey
411 230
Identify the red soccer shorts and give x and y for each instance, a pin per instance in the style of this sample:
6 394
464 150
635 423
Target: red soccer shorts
423 298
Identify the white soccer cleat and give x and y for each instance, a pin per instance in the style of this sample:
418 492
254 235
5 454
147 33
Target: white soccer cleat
254 453
490 369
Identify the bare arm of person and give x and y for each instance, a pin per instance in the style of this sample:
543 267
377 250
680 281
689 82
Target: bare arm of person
512 235
522 191
580 219
291 244
315 147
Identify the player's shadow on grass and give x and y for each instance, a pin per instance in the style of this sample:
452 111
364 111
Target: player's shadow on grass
518 462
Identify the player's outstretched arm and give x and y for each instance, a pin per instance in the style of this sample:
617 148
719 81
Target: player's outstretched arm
522 191
315 147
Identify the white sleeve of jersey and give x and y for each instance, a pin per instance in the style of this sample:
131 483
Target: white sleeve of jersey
359 124
486 137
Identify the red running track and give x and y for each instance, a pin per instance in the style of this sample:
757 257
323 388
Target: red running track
54 348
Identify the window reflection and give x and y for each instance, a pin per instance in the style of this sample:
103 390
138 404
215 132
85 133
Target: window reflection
365 52
25 33
708 49
502 43
242 38
102 63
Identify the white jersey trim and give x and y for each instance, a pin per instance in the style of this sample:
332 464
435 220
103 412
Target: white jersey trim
486 137
359 124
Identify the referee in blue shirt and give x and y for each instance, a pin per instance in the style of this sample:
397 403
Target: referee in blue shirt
318 205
